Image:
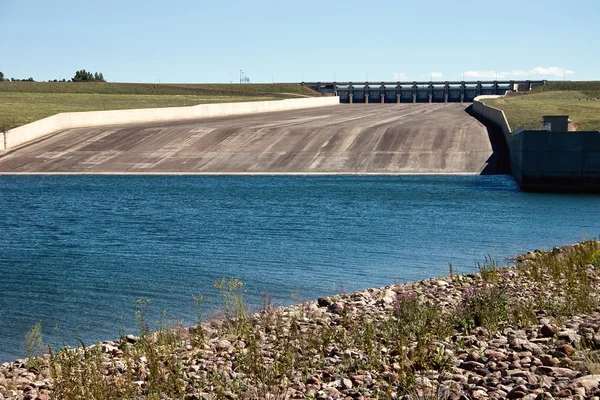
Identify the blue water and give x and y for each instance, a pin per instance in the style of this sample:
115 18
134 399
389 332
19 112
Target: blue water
77 251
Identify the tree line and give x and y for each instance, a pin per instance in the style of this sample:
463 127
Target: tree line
80 76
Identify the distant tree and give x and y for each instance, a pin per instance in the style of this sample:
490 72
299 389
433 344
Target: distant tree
1 76
22 80
85 76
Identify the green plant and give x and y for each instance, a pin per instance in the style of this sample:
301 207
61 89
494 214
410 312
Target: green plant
522 313
595 259
80 374
198 338
34 346
141 308
489 270
234 306
487 307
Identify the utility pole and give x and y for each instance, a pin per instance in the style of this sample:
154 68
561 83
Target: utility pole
241 74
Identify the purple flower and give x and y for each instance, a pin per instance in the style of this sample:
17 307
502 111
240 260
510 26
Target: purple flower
471 290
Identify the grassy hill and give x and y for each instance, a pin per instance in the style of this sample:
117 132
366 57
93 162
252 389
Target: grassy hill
579 100
25 102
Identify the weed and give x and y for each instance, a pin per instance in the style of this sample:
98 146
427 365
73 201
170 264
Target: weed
198 338
487 307
141 308
80 374
522 313
279 346
34 346
489 270
234 306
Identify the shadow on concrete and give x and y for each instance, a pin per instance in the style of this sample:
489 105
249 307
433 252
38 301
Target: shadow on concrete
499 161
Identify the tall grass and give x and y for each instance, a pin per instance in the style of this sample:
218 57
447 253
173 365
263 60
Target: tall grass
263 354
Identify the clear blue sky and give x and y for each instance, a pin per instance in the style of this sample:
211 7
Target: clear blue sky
284 41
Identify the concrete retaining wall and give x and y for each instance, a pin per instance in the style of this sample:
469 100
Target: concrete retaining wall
59 122
494 115
549 161
556 161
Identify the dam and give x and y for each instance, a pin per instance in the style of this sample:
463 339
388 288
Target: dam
419 138
419 92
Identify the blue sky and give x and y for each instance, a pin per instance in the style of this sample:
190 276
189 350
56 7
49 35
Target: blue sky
283 41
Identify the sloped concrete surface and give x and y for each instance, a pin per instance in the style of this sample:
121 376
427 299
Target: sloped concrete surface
350 138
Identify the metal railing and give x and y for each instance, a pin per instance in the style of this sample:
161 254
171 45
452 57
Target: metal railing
531 127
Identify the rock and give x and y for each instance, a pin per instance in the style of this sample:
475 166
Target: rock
336 308
518 393
347 384
569 336
328 391
548 330
223 345
497 355
566 349
564 393
557 372
589 383
518 343
132 339
549 361
530 396
471 365
324 302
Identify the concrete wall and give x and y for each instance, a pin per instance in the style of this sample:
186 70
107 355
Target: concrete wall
556 161
494 115
549 161
59 122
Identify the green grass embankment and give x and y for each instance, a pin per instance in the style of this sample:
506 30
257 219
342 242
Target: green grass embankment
24 102
579 100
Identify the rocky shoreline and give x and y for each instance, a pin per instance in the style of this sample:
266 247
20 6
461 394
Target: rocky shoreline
439 338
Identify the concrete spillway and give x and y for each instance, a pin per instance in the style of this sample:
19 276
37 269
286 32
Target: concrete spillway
357 138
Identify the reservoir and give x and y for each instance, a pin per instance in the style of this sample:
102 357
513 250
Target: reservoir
77 251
